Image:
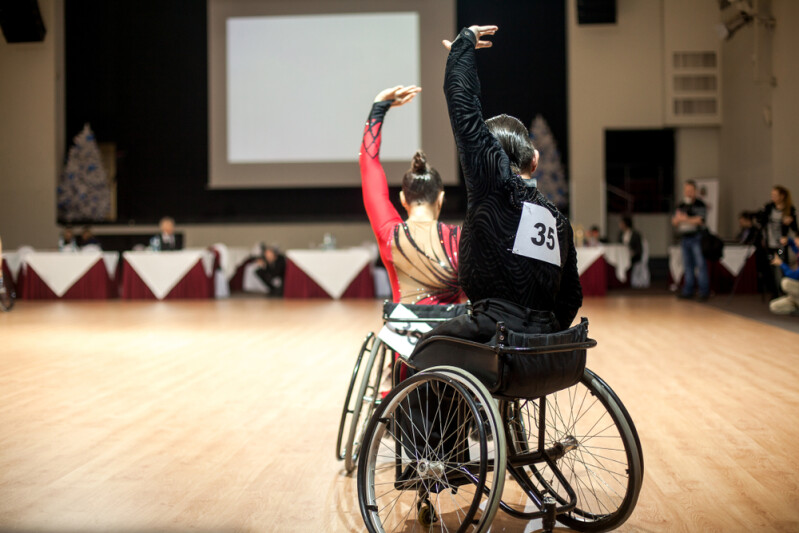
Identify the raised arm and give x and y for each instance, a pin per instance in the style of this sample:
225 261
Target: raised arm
381 212
480 153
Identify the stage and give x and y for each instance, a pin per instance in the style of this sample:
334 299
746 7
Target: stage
222 415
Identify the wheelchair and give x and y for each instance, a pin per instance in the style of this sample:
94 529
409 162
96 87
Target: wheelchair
437 449
374 366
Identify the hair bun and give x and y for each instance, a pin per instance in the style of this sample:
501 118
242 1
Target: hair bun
419 163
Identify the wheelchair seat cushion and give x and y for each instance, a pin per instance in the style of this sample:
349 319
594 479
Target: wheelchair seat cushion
507 373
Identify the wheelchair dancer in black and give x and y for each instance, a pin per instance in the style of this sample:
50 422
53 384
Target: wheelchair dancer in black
518 264
503 389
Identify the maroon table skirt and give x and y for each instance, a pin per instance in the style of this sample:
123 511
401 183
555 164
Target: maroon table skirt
237 281
595 278
8 279
194 285
297 284
95 284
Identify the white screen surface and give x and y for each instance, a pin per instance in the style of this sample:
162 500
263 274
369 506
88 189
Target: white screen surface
298 87
303 126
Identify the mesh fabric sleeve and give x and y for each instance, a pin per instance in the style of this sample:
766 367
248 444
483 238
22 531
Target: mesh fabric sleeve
381 212
480 154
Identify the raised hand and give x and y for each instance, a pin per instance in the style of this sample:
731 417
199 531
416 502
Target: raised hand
400 94
479 32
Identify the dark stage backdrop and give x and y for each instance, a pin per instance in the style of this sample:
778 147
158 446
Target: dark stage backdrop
137 72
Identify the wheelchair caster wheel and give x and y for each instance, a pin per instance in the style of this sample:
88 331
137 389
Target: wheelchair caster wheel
427 515
548 521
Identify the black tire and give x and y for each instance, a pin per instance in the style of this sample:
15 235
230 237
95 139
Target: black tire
346 412
605 465
364 403
427 449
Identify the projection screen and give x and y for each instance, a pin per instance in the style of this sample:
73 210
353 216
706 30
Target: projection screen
291 83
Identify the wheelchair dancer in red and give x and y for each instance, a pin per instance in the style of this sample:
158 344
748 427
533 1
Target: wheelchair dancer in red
420 253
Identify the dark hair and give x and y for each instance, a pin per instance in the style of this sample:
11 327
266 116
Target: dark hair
692 183
628 221
422 183
786 199
515 141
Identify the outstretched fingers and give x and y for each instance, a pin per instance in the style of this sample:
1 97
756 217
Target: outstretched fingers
479 33
405 95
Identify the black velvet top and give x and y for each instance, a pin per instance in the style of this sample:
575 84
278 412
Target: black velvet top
495 196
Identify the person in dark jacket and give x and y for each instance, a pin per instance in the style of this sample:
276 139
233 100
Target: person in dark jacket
631 238
689 221
272 269
165 239
777 219
517 258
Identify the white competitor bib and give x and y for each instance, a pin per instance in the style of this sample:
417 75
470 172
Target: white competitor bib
537 235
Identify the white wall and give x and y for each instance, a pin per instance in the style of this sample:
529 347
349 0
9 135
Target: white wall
615 78
30 95
784 107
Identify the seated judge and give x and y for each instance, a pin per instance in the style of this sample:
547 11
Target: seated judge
272 269
165 240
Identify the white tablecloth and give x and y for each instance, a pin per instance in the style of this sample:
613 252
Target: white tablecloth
61 270
14 262
616 255
733 259
161 271
333 270
231 257
587 256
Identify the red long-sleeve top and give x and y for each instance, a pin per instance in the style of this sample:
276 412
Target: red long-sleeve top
421 257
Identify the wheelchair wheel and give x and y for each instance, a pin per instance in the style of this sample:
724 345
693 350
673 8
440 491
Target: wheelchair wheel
594 444
434 457
364 403
7 298
346 413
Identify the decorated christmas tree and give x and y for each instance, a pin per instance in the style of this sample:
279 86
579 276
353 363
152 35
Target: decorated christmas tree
83 191
549 174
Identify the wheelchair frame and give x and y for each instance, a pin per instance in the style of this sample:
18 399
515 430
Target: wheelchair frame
553 498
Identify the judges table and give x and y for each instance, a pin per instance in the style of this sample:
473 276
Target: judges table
86 275
737 261
183 274
596 265
329 274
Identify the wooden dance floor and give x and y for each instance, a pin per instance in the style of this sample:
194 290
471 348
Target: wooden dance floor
222 416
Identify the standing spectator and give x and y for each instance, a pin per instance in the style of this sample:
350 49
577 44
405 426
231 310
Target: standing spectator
788 304
165 240
272 269
777 218
689 220
631 238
